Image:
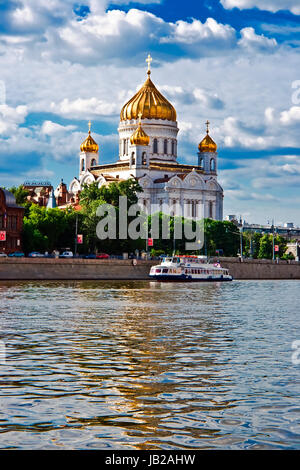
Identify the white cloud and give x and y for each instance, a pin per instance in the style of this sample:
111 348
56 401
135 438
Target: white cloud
10 118
236 133
270 5
84 107
52 128
291 116
269 115
189 33
52 31
251 40
33 16
112 36
182 96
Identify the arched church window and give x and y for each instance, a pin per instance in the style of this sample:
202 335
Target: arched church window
132 158
194 208
144 159
93 162
173 147
155 146
82 165
210 210
212 165
201 162
165 146
127 146
124 147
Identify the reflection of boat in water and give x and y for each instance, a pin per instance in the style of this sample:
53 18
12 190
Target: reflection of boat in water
189 268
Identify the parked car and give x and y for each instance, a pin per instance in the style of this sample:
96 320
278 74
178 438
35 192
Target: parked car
3 255
17 254
102 256
90 256
36 254
66 254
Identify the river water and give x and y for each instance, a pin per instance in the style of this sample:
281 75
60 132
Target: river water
143 365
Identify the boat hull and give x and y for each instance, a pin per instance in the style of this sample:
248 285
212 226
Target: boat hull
184 278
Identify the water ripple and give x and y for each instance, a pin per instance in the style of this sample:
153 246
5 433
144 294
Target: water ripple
143 365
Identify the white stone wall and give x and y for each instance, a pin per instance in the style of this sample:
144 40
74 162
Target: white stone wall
87 160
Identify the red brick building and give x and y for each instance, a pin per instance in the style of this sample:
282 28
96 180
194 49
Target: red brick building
11 223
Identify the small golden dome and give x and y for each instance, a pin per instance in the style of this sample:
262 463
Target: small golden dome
89 145
149 102
207 144
139 137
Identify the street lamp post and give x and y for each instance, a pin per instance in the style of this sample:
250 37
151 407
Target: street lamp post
241 240
76 233
273 242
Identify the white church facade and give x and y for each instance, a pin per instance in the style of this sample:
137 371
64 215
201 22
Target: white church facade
148 132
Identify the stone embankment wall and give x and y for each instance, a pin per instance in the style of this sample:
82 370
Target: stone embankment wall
72 269
79 269
261 269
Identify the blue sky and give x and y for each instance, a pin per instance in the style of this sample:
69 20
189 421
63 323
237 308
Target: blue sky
234 62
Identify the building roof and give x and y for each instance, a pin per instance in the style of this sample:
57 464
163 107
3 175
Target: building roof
10 200
51 201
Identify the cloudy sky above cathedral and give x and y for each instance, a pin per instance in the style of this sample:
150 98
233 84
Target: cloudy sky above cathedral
234 62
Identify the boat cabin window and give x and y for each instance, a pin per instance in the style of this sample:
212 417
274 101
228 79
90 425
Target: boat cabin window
165 270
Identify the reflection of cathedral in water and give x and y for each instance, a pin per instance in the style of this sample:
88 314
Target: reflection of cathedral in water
144 359
148 152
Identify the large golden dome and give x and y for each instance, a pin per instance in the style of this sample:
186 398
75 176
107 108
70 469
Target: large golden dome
207 144
89 145
149 102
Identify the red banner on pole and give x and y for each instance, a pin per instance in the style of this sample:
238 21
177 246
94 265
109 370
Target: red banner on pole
2 236
276 247
79 239
150 241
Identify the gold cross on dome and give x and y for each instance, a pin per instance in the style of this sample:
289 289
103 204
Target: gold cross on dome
207 126
90 125
149 60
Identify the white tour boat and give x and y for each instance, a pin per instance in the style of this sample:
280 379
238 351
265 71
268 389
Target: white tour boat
189 268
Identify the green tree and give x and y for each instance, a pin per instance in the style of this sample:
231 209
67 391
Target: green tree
91 198
110 194
48 229
282 244
221 235
251 242
20 194
265 247
33 239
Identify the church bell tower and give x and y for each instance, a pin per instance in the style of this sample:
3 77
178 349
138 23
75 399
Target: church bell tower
89 153
207 155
